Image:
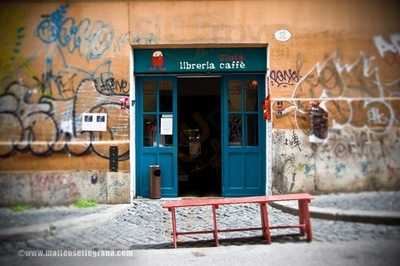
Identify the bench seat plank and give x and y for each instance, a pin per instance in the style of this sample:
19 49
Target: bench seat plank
241 200
212 201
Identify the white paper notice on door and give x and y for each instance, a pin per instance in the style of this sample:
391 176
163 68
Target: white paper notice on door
166 125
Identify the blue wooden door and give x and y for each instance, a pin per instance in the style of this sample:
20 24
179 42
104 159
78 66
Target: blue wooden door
156 141
243 136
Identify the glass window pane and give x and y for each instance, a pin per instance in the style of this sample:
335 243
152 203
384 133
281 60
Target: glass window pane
165 96
235 129
149 96
149 130
167 126
234 96
252 130
166 140
251 95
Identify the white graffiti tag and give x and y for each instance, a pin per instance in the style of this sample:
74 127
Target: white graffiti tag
383 46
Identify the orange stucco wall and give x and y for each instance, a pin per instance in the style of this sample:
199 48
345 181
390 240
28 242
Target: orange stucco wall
345 54
62 71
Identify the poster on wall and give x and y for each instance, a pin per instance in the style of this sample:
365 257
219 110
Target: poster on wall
166 125
94 121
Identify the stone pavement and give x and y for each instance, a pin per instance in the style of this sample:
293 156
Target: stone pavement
9 218
365 201
381 207
350 253
145 224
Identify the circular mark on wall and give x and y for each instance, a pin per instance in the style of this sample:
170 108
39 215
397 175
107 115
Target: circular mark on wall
340 150
282 35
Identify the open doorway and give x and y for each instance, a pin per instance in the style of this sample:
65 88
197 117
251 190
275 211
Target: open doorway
199 131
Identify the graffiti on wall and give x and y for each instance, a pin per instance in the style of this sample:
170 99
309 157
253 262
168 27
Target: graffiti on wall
284 165
51 125
284 170
292 140
56 189
41 113
284 78
388 48
90 38
384 46
149 38
351 93
351 156
112 86
357 144
362 98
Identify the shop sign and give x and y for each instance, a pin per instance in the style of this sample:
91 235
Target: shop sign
200 60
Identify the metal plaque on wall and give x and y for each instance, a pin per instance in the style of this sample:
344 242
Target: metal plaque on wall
113 158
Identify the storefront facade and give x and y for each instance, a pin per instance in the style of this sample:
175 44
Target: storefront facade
223 149
193 77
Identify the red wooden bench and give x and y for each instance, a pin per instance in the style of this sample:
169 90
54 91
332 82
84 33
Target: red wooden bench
304 216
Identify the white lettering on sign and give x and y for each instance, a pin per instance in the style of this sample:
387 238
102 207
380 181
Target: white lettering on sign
233 65
185 65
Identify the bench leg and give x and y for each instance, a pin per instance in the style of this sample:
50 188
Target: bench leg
262 221
215 231
301 216
265 222
174 235
306 213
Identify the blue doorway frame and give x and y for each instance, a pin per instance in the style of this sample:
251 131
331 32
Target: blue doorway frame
243 158
154 148
243 153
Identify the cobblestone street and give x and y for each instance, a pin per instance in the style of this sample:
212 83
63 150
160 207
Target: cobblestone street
9 219
147 225
368 201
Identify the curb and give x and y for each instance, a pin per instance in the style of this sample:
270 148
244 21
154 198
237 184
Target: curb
46 229
372 217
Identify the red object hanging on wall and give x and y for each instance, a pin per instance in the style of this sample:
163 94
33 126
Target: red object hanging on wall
267 108
124 102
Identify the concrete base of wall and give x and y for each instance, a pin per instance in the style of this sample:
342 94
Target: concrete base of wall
63 187
349 160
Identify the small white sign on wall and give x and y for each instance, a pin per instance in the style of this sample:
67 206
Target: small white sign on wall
166 125
282 35
66 126
94 121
